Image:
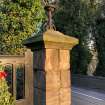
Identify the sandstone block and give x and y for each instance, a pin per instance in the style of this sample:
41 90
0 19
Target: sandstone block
65 79
64 63
52 97
46 97
39 57
46 59
52 80
40 79
47 80
39 97
65 96
51 60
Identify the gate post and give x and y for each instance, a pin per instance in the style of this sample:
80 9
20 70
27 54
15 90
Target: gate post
51 63
28 77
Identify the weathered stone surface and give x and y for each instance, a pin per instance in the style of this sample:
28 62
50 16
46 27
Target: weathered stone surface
65 96
64 60
39 59
40 79
28 74
65 79
46 59
52 80
39 97
51 39
52 97
51 59
66 103
53 77
51 67
47 80
47 97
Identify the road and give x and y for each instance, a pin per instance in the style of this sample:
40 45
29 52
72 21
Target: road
87 97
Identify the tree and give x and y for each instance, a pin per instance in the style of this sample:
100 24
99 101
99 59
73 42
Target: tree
76 18
5 97
18 20
100 43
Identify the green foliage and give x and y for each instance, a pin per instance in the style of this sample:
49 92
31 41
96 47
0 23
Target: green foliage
75 17
80 59
100 43
18 20
5 97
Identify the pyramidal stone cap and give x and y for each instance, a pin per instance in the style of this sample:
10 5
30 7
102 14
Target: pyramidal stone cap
51 39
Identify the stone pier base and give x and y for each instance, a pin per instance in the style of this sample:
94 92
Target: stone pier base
52 77
52 81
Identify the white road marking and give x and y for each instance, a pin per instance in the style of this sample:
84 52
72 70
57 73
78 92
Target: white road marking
88 96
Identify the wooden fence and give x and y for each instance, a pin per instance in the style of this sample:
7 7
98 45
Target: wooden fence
20 76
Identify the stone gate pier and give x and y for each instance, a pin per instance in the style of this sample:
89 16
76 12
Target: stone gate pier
51 62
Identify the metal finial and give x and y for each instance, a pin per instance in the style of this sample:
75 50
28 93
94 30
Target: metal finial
50 6
49 2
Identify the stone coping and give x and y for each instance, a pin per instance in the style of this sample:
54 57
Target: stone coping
55 38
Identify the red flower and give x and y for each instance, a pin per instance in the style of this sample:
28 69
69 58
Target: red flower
3 74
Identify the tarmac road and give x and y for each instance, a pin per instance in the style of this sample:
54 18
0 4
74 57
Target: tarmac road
87 97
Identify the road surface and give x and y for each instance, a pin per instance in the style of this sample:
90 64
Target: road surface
87 97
